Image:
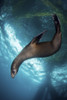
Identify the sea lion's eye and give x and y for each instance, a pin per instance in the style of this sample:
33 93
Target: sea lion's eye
13 71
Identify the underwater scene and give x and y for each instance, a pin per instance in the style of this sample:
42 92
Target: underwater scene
39 78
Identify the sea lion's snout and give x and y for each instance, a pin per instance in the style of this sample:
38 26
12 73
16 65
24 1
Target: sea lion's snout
13 72
14 69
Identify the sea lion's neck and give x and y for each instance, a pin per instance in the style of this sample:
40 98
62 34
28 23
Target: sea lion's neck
24 55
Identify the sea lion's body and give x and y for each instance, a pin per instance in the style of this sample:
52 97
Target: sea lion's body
36 49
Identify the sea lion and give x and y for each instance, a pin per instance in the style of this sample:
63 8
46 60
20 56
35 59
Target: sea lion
38 49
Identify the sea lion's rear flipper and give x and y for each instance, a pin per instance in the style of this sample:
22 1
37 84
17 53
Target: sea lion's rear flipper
37 38
57 23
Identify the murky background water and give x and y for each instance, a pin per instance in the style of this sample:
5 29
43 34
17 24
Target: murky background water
39 78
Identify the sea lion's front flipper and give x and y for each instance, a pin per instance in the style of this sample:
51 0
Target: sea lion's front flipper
37 38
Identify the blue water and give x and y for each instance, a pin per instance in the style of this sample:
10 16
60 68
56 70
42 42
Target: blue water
37 78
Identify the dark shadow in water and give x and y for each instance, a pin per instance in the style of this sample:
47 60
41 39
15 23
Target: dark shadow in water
1 3
48 92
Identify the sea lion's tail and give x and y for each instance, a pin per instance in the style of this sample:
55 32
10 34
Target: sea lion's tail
57 23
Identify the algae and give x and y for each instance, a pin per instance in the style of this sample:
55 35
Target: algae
28 14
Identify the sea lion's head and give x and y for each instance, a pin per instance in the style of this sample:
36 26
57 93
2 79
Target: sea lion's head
14 70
